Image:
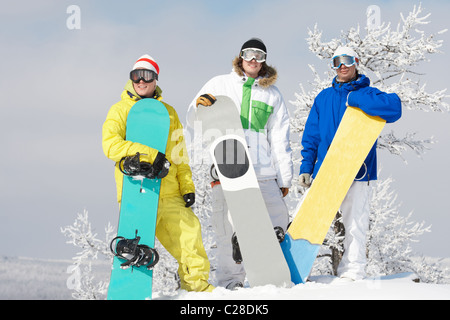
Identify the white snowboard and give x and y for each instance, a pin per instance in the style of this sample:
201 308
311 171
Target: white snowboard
263 258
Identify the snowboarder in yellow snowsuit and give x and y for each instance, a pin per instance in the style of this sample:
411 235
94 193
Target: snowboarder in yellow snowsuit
177 227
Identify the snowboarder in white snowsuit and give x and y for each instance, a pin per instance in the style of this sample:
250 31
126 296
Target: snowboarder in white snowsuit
265 121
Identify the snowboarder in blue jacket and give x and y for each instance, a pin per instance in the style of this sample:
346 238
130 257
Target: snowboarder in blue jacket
349 88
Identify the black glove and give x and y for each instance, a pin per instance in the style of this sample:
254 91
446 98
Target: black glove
189 198
161 166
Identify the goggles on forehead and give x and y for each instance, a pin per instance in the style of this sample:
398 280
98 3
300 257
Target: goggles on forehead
143 74
345 60
250 54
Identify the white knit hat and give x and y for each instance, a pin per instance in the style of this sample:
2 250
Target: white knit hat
147 62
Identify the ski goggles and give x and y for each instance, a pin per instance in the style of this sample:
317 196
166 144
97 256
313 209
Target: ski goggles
250 54
143 74
347 61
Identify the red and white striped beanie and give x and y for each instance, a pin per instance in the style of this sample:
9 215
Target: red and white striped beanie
147 62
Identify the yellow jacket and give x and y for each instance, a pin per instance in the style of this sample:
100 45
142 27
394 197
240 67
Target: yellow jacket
179 180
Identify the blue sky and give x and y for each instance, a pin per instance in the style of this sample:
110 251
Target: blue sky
58 84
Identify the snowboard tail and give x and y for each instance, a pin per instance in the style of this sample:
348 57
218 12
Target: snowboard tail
353 140
300 255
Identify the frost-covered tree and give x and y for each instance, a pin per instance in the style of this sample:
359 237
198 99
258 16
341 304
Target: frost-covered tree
390 238
389 57
80 235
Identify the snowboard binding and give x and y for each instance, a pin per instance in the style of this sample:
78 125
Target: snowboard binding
135 254
279 232
133 166
237 256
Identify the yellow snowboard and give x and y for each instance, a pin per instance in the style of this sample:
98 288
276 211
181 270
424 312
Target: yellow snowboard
352 142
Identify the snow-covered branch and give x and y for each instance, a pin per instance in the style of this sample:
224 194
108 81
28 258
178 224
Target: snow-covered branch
80 235
397 146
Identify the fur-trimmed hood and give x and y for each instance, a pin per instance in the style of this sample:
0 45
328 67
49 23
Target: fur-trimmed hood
268 79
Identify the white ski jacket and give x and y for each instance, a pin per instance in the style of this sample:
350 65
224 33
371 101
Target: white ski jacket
264 117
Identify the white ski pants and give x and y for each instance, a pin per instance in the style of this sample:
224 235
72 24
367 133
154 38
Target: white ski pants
228 271
355 214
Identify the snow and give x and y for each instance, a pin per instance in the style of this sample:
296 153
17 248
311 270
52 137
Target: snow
396 287
39 279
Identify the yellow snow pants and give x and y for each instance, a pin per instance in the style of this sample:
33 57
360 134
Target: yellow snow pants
179 231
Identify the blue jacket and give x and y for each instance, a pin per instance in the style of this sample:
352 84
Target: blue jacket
326 114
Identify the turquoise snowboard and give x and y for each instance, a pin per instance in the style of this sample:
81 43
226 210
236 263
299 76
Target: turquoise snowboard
148 123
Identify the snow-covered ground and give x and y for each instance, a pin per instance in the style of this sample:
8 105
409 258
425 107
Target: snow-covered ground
400 286
26 278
